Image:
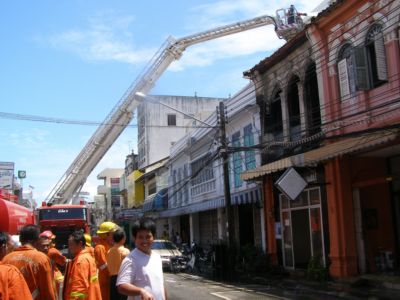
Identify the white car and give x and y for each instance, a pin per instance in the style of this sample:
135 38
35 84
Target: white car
167 250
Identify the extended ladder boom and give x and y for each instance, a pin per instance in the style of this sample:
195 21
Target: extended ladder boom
121 115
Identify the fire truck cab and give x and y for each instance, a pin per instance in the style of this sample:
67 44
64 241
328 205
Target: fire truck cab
62 220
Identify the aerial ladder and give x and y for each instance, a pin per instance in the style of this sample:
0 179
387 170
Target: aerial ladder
72 181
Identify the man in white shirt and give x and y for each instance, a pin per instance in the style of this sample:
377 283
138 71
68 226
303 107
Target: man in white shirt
141 276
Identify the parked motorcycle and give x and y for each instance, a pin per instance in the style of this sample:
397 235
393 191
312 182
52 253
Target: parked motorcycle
179 263
200 261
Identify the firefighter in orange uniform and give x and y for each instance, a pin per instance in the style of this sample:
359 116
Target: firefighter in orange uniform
81 280
34 265
105 233
12 283
56 258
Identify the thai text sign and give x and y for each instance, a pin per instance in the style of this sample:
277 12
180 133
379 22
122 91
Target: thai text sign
6 175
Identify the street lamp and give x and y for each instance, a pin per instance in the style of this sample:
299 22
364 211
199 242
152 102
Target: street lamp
154 100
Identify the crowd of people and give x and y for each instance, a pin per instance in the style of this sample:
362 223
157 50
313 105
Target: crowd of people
97 270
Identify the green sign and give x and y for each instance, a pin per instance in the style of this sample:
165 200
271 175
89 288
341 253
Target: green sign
21 174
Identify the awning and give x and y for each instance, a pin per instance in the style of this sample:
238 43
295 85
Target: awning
151 170
246 197
192 208
310 158
157 201
148 202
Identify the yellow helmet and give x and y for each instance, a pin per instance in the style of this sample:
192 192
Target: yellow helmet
88 239
106 227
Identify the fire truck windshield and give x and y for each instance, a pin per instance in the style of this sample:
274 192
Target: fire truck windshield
60 213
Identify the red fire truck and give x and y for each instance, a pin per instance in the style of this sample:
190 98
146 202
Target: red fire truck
62 220
12 215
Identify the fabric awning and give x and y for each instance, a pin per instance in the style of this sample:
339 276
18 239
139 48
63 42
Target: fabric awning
149 202
157 201
194 207
246 197
310 158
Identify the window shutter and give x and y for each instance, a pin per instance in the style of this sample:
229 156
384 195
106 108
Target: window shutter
361 68
380 58
343 78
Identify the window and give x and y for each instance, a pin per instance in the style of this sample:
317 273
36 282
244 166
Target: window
237 160
250 158
375 50
273 122
171 120
363 67
202 170
152 187
294 109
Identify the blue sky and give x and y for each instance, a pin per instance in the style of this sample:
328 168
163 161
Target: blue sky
75 59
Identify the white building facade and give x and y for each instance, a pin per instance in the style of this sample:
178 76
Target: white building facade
159 126
196 204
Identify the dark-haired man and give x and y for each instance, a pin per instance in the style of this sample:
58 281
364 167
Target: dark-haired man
114 259
6 245
141 275
12 283
81 280
34 265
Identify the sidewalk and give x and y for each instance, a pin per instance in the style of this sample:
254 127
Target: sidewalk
364 287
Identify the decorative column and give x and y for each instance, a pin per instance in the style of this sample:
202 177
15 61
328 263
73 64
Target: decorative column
343 249
303 109
285 117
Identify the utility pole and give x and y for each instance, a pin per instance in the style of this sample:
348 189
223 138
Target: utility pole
230 230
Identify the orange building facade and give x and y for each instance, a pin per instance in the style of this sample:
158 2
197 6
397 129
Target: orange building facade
329 103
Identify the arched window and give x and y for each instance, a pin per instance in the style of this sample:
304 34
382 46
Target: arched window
294 109
363 67
273 124
376 55
313 109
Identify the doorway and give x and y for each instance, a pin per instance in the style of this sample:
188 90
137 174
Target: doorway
246 224
301 238
302 233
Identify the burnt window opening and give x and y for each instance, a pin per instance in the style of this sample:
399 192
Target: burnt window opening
273 121
313 108
294 110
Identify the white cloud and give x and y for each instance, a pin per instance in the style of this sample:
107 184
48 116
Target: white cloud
33 138
105 39
107 35
263 39
254 41
223 12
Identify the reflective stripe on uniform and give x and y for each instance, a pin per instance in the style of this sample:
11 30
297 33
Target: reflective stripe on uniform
79 295
102 267
93 278
35 293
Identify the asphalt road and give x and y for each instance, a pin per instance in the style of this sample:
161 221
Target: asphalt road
185 286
